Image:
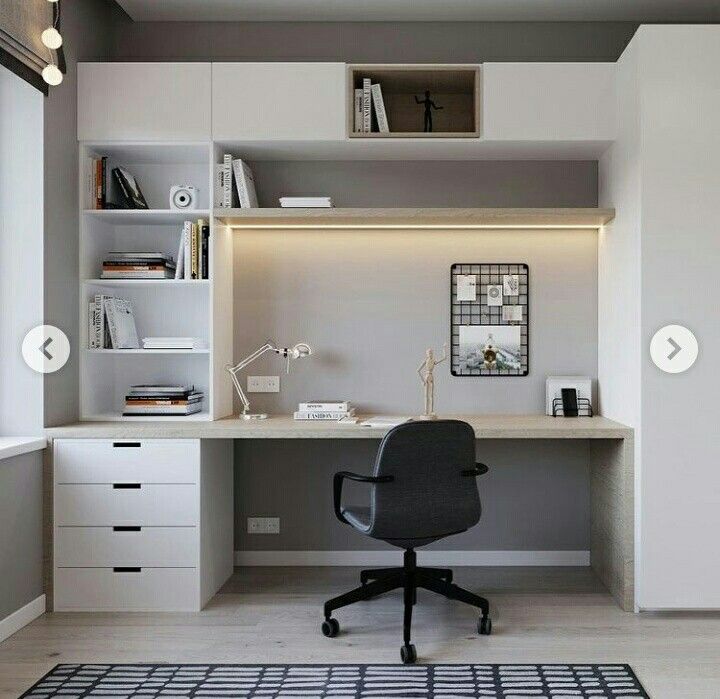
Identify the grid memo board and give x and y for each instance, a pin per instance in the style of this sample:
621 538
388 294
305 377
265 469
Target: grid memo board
489 332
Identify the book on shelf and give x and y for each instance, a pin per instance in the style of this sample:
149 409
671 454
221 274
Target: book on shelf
111 323
194 251
379 104
219 185
306 202
358 110
162 399
138 265
227 200
245 184
129 188
188 343
324 410
367 105
325 405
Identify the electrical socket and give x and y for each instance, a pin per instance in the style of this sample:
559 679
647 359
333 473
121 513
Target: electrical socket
263 384
263 525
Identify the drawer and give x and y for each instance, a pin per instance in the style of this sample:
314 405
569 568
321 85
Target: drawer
106 589
172 547
145 505
141 461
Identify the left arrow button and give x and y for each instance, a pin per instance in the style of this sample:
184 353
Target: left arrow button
35 349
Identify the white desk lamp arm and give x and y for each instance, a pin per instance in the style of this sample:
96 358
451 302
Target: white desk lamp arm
235 370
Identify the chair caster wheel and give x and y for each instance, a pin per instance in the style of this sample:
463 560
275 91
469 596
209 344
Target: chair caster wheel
330 628
408 654
485 626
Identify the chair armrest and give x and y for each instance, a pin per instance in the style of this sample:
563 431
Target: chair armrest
338 479
479 470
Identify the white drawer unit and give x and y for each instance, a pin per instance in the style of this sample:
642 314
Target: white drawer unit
126 588
127 545
127 461
141 525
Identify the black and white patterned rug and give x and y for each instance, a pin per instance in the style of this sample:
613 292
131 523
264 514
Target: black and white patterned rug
349 681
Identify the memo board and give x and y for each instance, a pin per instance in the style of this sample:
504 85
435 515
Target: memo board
489 331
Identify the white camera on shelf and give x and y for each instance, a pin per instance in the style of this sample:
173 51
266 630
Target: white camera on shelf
183 196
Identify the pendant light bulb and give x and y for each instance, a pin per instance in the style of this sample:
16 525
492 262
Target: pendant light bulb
52 75
51 38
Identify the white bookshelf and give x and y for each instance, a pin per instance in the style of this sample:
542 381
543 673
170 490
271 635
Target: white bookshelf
162 307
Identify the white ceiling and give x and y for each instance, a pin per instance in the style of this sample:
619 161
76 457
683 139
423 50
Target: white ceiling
422 10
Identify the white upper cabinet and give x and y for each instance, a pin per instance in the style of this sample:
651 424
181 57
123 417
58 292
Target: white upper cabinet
144 101
282 101
549 101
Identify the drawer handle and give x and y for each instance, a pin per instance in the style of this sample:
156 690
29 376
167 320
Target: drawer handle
127 529
126 445
127 569
127 486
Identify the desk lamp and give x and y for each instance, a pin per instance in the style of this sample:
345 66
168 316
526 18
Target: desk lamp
301 349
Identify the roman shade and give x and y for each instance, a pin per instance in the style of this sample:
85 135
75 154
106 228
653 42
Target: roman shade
21 50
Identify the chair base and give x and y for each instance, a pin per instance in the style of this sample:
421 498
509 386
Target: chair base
410 577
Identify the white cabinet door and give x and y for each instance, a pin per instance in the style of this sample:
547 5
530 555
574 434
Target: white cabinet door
549 101
144 101
292 101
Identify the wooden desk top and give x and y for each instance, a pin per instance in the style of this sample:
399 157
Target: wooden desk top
284 427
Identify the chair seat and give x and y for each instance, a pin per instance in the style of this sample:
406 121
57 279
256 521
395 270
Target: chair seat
358 516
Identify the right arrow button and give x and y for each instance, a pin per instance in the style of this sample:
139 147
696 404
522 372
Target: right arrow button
683 349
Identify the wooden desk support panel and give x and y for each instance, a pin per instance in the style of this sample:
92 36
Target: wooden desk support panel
611 482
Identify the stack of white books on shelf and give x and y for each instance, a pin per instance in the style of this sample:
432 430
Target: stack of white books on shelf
306 203
174 343
325 410
162 399
237 170
367 99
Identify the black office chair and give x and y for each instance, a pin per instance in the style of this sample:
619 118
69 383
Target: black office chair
423 489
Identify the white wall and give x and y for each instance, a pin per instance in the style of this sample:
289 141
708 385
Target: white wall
21 250
663 178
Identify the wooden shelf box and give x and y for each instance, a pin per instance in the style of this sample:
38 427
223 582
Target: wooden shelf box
455 88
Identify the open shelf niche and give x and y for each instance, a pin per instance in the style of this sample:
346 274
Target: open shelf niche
455 88
162 307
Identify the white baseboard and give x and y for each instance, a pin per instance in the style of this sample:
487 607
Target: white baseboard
394 558
22 617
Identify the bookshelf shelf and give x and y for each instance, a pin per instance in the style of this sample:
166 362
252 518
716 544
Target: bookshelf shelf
199 283
147 352
414 218
131 217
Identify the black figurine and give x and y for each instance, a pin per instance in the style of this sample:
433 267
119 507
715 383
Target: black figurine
429 106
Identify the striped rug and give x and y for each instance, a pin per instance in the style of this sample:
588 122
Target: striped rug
349 681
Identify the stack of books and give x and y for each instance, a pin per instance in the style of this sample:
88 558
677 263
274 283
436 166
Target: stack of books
244 193
194 251
111 323
162 399
367 99
325 410
306 203
138 265
127 187
174 343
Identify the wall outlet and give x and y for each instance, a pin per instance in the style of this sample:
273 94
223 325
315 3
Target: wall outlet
263 525
263 384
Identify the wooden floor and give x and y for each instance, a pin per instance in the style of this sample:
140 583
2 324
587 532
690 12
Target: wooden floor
274 614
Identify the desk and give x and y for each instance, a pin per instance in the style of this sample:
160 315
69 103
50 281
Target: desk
611 481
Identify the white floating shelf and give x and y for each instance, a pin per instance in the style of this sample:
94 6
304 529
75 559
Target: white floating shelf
132 217
200 283
147 352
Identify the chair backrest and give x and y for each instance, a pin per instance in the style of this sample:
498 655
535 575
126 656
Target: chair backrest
428 496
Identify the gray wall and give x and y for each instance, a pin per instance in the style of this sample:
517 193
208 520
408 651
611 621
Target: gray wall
86 29
21 547
370 303
534 498
437 183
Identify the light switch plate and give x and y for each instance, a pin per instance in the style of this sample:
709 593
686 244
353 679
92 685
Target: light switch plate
263 384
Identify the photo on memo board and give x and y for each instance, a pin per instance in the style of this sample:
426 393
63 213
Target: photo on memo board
489 331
